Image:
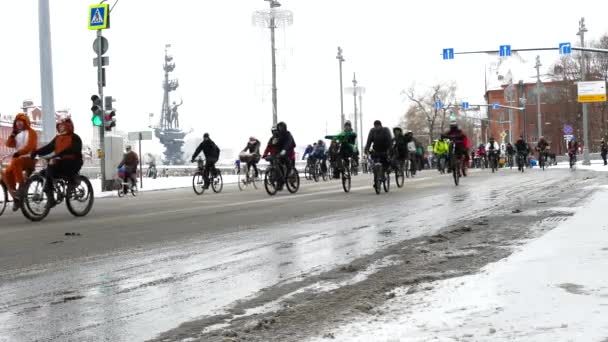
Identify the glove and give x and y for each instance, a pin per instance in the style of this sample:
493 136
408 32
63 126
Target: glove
16 155
192 161
33 155
283 153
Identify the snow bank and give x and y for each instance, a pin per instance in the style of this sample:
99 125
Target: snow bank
555 288
160 184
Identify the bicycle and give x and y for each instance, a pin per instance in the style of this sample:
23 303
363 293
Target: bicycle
572 161
510 161
441 161
344 167
248 179
455 163
309 169
198 180
493 160
521 162
354 166
125 185
76 191
3 188
399 168
274 173
382 177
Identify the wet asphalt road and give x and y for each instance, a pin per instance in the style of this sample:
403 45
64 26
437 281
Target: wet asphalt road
143 266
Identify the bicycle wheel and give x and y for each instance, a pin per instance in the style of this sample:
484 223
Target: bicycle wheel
134 190
80 197
252 178
377 179
399 176
315 171
293 181
217 183
3 197
307 173
346 180
35 205
242 181
198 183
386 184
456 170
270 181
407 168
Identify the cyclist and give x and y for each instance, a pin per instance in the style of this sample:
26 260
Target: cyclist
66 160
281 146
411 150
572 148
346 141
493 150
522 148
24 139
441 149
604 149
380 138
319 153
399 150
251 155
457 136
212 154
308 151
542 147
510 150
129 161
482 156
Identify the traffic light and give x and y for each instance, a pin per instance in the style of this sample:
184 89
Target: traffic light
97 111
110 120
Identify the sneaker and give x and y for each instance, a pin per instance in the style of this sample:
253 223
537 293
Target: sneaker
16 204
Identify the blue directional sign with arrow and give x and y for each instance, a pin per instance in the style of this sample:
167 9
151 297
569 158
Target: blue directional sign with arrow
438 105
496 106
465 105
505 51
448 53
565 48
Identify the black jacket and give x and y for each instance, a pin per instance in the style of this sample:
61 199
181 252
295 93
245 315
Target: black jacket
286 142
381 138
253 148
209 148
521 147
400 146
74 152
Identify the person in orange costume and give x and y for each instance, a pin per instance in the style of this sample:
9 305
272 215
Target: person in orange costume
24 139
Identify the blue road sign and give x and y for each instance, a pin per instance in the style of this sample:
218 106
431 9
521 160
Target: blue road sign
465 105
438 105
565 48
568 130
99 16
448 53
496 106
505 50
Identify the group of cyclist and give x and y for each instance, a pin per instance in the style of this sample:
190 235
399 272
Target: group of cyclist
64 156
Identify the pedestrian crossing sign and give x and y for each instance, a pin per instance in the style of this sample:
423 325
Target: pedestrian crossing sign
99 17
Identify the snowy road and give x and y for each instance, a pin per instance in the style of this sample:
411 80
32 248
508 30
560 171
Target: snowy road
143 266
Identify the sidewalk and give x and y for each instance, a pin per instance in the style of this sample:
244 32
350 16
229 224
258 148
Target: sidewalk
160 184
554 288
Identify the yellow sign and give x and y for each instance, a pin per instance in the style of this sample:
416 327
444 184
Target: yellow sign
503 135
99 17
592 98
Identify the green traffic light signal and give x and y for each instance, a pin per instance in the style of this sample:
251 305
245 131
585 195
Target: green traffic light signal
97 120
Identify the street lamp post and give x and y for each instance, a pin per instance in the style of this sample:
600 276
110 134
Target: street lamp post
46 71
340 59
581 32
357 91
539 123
272 18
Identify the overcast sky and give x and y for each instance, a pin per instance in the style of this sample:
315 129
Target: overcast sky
223 61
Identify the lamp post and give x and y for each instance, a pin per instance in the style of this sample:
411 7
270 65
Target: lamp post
581 32
46 71
340 59
539 118
272 19
357 91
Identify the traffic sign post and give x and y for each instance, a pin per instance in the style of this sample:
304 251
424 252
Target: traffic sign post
592 91
505 51
438 105
139 136
568 130
465 105
496 106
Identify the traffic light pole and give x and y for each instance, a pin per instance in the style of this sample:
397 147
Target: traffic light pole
102 144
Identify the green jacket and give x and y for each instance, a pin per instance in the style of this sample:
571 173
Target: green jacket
441 147
344 138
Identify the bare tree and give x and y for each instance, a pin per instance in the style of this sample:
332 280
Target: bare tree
422 111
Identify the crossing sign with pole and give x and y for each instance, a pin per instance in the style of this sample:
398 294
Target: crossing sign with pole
99 17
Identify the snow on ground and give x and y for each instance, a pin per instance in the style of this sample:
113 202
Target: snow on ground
159 184
554 288
596 165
